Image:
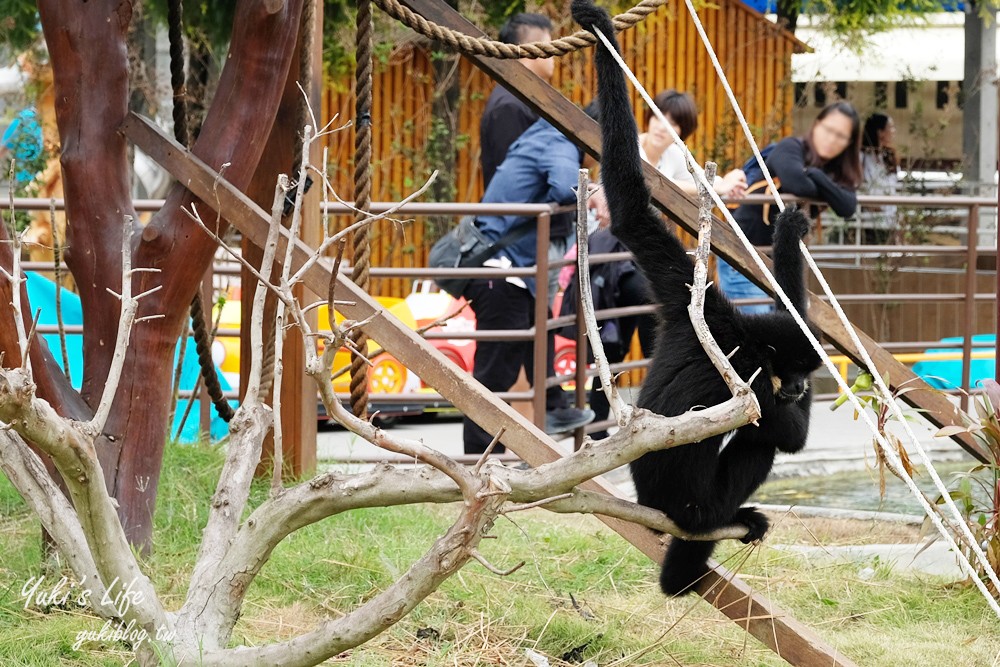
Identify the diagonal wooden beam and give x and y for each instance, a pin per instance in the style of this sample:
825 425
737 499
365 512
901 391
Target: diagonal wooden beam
791 640
552 105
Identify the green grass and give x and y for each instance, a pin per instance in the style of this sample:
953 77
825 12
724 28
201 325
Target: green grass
583 591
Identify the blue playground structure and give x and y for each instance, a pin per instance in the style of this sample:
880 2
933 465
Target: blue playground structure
946 373
42 293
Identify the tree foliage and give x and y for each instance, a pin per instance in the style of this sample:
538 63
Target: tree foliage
19 27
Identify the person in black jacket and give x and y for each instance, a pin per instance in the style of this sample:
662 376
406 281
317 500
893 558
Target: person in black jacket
824 166
505 117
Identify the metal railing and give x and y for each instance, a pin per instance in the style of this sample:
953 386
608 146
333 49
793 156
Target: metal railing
539 376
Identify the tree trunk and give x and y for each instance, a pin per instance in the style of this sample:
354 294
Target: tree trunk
87 46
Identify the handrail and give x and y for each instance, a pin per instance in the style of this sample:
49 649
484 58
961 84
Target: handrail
901 348
461 208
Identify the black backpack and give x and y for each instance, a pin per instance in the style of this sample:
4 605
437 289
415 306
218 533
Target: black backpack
752 168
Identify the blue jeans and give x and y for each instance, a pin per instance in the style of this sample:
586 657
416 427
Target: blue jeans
737 286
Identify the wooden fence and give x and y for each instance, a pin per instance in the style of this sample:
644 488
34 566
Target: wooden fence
664 51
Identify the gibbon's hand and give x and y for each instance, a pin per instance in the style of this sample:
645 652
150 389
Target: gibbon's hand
733 185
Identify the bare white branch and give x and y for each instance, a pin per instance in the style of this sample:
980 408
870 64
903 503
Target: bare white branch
28 475
71 447
329 240
696 310
129 306
260 294
621 409
491 567
16 279
510 509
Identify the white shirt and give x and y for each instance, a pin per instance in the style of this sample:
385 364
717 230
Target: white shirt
671 164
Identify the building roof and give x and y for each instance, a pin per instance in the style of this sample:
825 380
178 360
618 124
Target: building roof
931 51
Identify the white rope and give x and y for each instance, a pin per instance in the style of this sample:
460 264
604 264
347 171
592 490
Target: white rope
772 188
887 449
883 389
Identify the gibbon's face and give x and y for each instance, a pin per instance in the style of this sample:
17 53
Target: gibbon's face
657 132
790 368
789 389
831 135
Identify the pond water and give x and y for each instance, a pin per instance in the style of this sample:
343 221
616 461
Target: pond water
857 490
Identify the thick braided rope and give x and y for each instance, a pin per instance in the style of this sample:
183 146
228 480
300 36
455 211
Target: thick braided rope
203 344
478 46
175 22
362 192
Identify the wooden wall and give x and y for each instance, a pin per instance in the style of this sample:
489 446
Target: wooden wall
664 51
898 321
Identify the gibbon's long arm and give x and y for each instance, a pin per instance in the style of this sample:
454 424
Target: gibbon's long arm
639 226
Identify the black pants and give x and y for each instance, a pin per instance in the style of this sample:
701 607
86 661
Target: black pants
633 290
500 305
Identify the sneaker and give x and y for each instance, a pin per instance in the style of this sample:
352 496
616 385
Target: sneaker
567 419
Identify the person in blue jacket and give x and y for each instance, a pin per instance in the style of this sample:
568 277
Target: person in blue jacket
541 167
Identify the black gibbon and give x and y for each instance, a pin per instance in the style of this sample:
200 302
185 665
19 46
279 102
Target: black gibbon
701 486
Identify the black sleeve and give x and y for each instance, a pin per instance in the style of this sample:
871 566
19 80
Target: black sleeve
499 129
787 163
843 201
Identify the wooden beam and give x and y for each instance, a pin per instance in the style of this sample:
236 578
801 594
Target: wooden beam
772 626
550 104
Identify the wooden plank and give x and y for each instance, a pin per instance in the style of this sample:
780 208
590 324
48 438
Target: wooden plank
772 626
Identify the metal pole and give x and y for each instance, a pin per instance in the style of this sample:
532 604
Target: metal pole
969 320
542 361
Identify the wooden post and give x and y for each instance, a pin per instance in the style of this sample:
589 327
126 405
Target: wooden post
969 311
298 394
540 342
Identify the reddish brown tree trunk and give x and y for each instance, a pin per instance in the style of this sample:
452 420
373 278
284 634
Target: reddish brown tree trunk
87 45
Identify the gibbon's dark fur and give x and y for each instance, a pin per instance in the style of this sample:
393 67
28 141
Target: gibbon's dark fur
701 486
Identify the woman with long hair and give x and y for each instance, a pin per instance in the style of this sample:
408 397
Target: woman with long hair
879 173
823 165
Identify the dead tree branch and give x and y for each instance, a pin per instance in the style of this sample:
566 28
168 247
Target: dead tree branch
696 309
621 409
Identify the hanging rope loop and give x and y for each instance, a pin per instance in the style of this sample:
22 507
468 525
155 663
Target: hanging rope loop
199 326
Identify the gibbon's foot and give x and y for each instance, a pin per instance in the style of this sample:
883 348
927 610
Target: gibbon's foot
684 565
755 521
795 219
